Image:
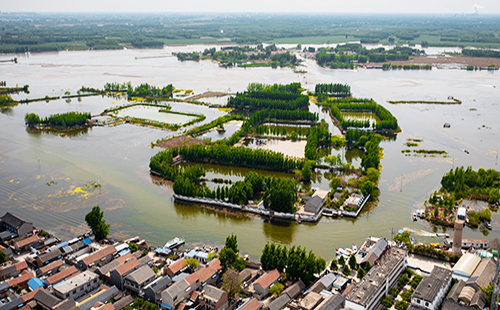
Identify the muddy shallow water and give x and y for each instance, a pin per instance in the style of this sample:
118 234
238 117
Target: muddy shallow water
44 177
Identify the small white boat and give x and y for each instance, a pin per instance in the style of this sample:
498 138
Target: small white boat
174 243
354 248
442 235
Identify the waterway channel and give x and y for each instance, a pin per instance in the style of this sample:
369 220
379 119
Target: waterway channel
46 178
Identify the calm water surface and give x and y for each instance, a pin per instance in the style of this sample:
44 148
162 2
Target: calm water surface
45 177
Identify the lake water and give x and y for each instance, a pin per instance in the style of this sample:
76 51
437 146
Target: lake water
43 176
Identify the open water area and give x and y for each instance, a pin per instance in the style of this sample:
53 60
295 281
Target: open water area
47 178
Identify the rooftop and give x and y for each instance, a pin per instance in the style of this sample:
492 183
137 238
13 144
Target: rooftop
141 275
212 293
13 220
58 277
159 284
483 274
176 266
311 300
279 303
99 255
75 281
430 286
251 304
130 265
334 302
466 264
362 292
268 278
27 241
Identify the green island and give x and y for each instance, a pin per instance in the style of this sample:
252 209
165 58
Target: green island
6 100
389 66
463 184
268 106
350 55
63 121
244 56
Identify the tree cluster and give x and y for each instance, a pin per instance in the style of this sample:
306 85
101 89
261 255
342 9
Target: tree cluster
96 222
333 90
146 90
296 262
65 120
465 182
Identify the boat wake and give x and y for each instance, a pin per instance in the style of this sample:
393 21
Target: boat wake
420 232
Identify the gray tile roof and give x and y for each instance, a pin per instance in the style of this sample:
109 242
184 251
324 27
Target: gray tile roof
141 275
483 274
46 298
177 288
455 290
334 302
430 286
295 289
279 303
13 220
159 284
212 292
125 301
102 297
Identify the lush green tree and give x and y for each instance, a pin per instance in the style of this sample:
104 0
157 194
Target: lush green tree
352 261
232 243
373 175
334 266
368 266
276 289
346 271
401 305
133 247
494 195
96 222
367 188
192 262
341 260
32 119
307 170
361 273
335 182
3 257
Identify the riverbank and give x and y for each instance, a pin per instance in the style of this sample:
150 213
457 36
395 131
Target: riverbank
440 61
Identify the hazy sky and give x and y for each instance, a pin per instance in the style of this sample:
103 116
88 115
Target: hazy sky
321 6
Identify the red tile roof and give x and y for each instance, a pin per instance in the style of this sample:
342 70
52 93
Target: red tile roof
58 277
22 279
27 241
123 258
94 257
31 295
269 278
254 304
51 266
21 266
205 273
176 266
192 278
215 264
131 264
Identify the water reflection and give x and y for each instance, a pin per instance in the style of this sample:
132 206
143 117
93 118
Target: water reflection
280 231
36 132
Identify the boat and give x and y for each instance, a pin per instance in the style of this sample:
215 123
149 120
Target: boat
487 225
442 235
414 217
174 243
354 248
467 152
344 252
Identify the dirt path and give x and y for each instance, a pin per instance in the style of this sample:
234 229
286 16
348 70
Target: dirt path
179 141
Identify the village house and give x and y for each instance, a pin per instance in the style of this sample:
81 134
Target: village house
46 301
138 279
152 292
432 289
48 257
77 285
99 258
12 270
251 304
212 298
175 268
15 225
62 275
117 275
25 244
262 285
